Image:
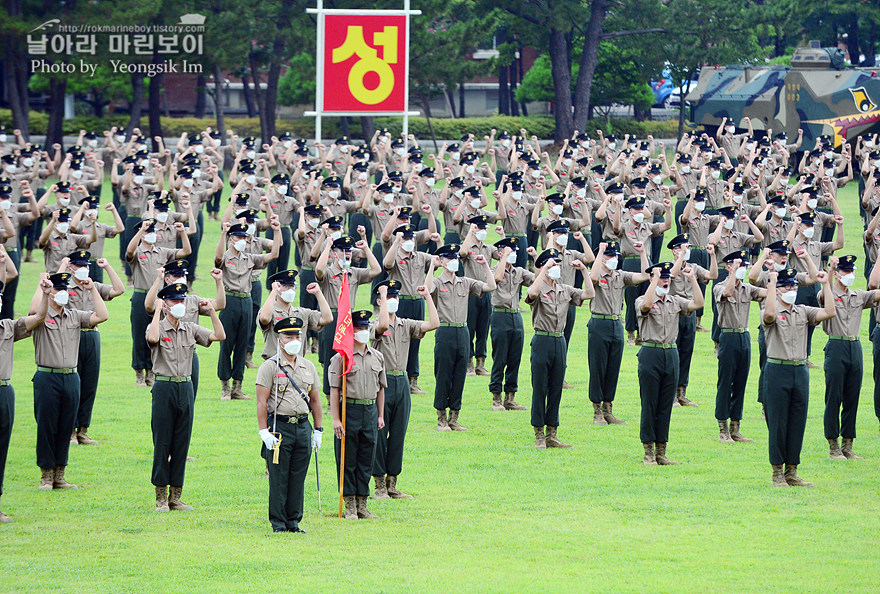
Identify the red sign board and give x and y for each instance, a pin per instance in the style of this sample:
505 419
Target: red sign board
364 62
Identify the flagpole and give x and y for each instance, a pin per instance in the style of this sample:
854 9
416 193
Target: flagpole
342 449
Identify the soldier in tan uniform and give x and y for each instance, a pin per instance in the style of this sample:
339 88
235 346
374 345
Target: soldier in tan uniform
279 306
172 343
287 390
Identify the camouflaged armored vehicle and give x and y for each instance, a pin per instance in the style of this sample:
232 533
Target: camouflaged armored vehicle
817 93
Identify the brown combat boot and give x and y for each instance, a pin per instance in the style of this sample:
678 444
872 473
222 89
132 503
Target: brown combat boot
394 491
778 476
630 339
350 508
442 424
149 378
834 450
847 449
225 392
480 368
598 414
162 499
362 512
249 361
662 460
609 415
682 397
510 403
139 378
675 401
174 501
414 385
380 492
47 477
540 440
58 482
650 458
470 368
496 401
453 421
237 393
73 440
4 519
793 479
735 435
700 327
83 438
552 440
29 256
566 385
724 433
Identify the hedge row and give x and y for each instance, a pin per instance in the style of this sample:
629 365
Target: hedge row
444 128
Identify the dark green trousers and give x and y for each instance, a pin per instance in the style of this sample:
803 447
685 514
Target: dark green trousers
700 257
256 304
843 383
479 311
808 295
687 332
140 319
412 309
287 478
734 356
786 394
195 374
361 429
548 359
451 350
604 355
89 368
630 294
306 299
508 337
762 359
7 417
56 399
875 352
325 349
237 319
280 263
722 276
658 379
7 312
171 422
389 443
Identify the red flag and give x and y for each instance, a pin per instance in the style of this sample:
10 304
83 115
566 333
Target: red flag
343 339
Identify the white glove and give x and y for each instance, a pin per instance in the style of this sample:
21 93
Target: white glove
316 439
268 439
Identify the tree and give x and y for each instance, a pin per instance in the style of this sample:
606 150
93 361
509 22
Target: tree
100 90
297 86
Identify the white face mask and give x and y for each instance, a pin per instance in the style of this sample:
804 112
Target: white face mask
470 169
643 153
362 177
408 245
638 217
293 347
829 154
343 150
333 194
829 172
240 245
335 235
459 193
452 266
393 304
868 143
388 198
62 227
657 179
737 198
566 162
715 174
76 173
475 203
138 179
506 143
731 129
612 145
699 205
562 240
81 273
362 336
162 217
61 298
120 138
848 279
662 291
197 173
687 254
178 310
535 174
611 263
251 154
313 223
287 144
63 201
345 263
481 234
400 152
783 181
6 204
728 224
685 168
455 156
556 209
555 272
779 267
780 212
788 296
809 232
27 162
741 272
511 258
150 237
429 181
581 192
282 190
517 195
251 179
288 295
93 143
252 229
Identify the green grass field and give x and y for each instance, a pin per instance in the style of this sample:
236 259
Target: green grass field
490 512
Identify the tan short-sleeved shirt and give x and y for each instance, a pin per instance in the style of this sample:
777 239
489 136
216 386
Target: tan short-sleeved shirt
848 305
58 246
379 215
82 299
340 207
786 336
609 292
681 286
732 243
394 342
331 283
310 318
17 219
519 213
774 230
469 264
284 398
451 297
305 244
698 228
550 307
660 322
507 294
238 269
56 341
10 331
366 377
284 207
733 311
256 246
409 271
145 262
166 234
816 249
172 355
103 233
632 233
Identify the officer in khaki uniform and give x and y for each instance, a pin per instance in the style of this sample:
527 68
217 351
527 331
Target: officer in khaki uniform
390 337
279 306
287 390
843 357
658 312
56 382
12 331
786 377
172 343
733 298
364 415
549 300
